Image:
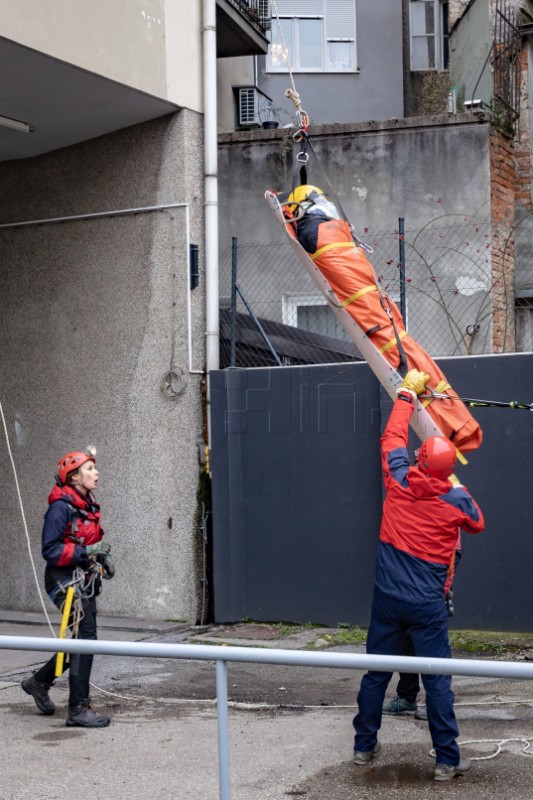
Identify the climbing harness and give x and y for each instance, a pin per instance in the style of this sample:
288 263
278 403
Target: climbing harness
81 587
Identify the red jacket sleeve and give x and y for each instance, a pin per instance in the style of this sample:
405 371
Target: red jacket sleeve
394 455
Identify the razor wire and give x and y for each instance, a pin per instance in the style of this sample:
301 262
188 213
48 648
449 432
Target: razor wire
449 297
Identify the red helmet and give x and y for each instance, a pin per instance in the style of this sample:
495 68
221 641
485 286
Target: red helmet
437 457
70 463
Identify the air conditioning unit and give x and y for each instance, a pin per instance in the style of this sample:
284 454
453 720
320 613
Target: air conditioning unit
249 100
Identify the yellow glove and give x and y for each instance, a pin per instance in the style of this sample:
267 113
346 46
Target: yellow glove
414 382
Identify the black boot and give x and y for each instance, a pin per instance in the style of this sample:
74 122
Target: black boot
82 716
39 692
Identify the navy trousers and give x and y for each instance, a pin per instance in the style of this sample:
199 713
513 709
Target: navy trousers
79 665
427 625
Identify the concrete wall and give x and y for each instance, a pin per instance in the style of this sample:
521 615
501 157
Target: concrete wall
231 72
433 172
148 44
374 92
470 42
93 314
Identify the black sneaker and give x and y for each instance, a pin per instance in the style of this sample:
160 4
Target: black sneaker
82 716
445 772
399 706
39 692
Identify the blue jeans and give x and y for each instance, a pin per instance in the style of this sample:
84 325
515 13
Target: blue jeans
427 625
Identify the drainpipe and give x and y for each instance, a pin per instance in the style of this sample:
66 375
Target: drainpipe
211 187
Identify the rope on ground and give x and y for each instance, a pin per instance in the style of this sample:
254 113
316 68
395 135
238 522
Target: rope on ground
499 746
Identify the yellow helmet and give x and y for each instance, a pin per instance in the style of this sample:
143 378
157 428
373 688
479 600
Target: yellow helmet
301 194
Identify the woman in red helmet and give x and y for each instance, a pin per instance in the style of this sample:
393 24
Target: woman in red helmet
421 514
74 549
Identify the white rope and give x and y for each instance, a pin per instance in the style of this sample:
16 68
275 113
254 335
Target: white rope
28 542
293 93
285 49
499 746
41 598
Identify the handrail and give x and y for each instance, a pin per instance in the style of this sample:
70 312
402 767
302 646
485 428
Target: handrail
255 12
222 655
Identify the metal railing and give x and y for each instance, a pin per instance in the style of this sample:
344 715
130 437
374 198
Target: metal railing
432 666
255 11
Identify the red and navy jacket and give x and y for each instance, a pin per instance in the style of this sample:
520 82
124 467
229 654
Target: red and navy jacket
421 516
70 524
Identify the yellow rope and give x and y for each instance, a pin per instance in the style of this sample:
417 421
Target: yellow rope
64 623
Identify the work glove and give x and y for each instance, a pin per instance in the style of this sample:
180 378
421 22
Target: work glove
414 383
100 548
108 568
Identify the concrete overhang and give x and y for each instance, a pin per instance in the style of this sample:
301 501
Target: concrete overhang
63 103
236 36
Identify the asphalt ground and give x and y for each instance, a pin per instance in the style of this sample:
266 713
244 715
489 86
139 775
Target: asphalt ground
290 727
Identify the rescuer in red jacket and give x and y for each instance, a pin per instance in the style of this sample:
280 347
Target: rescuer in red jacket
421 514
74 550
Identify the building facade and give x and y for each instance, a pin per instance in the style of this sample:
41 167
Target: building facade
103 110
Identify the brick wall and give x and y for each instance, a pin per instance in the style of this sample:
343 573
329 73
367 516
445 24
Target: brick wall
502 204
456 9
522 155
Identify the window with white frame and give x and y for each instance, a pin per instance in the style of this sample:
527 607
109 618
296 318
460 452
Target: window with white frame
429 34
311 313
313 36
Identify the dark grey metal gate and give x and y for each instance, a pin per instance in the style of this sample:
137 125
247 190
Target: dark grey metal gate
297 493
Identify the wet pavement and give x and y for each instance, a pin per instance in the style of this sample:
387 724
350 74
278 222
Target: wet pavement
290 727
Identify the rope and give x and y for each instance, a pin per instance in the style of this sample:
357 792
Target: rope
499 746
476 403
292 93
28 543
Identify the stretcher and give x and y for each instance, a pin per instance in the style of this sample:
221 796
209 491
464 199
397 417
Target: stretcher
343 273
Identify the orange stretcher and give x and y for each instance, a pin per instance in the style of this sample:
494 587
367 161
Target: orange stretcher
353 281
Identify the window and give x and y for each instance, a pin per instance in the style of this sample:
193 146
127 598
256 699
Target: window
429 34
311 313
524 323
315 35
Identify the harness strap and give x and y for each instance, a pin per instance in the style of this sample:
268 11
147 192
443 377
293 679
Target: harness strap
360 293
392 342
331 246
442 387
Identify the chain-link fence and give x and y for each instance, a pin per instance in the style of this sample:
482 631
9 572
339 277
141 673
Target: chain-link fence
278 316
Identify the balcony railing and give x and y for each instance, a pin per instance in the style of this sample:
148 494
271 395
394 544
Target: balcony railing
256 12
